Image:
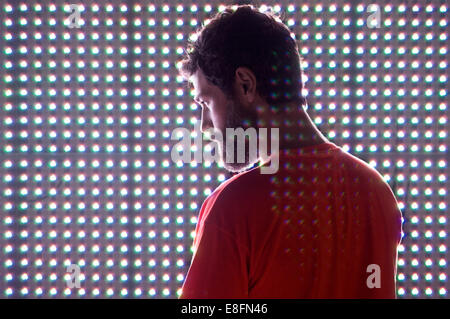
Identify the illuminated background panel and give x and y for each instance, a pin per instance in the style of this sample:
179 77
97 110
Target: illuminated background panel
85 136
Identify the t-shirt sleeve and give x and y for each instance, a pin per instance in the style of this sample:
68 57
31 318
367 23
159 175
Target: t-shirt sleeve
392 212
218 269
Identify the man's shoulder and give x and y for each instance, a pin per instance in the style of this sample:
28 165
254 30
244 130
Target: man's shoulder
241 186
356 174
359 168
236 196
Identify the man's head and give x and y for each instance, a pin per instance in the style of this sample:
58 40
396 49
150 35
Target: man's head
242 62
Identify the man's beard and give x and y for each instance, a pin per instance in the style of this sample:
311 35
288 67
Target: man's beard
236 117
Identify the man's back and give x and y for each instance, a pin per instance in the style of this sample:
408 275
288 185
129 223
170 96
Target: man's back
321 227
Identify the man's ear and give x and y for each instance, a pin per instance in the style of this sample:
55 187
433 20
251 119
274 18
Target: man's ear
245 85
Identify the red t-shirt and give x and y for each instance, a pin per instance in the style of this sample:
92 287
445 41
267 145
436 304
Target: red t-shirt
326 225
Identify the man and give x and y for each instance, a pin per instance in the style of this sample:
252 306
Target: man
325 224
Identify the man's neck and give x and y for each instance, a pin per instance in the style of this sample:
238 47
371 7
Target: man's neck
296 129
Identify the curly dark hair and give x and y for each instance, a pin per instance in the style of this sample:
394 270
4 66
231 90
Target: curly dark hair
245 37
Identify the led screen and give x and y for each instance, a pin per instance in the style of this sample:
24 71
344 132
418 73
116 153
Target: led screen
90 95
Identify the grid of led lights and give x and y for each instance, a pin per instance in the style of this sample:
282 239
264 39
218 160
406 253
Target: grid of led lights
89 98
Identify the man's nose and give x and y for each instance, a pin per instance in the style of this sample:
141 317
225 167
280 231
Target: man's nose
206 120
